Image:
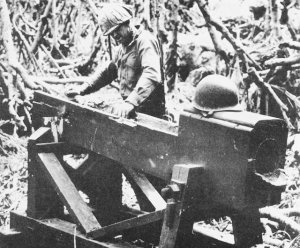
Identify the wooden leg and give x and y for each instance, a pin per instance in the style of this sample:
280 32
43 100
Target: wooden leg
247 228
170 224
43 201
185 179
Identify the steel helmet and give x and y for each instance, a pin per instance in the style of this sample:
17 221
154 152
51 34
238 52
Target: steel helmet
216 93
112 15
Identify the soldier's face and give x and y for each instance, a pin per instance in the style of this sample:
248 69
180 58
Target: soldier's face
122 35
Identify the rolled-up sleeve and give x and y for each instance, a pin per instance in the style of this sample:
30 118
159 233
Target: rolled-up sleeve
149 55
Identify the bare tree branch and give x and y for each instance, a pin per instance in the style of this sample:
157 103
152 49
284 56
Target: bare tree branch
9 46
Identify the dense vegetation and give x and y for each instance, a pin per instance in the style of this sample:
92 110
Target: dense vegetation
52 45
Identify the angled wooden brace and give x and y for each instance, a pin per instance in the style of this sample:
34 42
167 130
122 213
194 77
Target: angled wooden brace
147 188
68 193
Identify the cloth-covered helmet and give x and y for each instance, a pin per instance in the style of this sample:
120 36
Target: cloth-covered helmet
112 15
216 93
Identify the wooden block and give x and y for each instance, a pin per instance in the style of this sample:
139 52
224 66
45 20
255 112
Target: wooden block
68 193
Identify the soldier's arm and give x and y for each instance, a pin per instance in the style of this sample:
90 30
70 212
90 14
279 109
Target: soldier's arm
103 76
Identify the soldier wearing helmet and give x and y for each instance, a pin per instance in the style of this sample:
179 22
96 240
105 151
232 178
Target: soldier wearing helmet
137 66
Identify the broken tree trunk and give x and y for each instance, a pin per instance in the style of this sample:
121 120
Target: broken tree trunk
41 25
274 17
220 52
291 44
9 46
283 61
276 215
267 87
221 28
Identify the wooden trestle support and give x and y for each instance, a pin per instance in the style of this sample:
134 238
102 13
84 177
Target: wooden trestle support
180 175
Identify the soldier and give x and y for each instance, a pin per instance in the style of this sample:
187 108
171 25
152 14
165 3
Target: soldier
137 66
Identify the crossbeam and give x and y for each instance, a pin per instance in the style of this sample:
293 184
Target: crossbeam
129 223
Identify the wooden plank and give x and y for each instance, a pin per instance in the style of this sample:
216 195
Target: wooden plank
128 224
68 193
147 188
58 233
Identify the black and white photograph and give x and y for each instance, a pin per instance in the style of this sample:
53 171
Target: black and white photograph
150 124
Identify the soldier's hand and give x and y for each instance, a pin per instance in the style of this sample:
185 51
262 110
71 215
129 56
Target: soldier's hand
123 109
72 92
75 91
